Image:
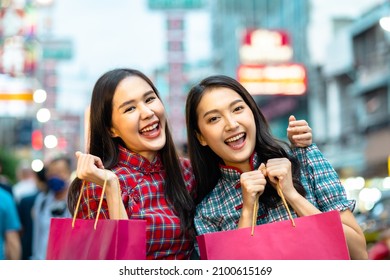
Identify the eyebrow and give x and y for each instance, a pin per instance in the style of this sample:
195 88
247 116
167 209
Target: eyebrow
216 110
132 100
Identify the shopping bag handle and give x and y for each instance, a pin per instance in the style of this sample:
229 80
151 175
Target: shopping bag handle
256 208
100 201
280 193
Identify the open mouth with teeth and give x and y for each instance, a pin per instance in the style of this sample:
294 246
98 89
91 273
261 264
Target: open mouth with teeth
236 141
150 130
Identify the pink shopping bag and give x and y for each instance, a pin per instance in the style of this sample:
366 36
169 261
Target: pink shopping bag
111 240
316 237
96 239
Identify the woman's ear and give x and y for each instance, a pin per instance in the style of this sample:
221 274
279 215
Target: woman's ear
113 132
200 139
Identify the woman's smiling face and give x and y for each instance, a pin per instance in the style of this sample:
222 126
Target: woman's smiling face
138 117
227 126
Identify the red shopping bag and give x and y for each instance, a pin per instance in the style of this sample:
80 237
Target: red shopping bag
111 240
316 237
96 239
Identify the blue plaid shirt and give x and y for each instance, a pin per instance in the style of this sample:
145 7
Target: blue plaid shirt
221 208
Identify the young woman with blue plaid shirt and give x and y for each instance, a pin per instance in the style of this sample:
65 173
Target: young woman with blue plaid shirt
229 141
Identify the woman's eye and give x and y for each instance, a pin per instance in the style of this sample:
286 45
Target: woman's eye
238 108
130 109
150 99
212 119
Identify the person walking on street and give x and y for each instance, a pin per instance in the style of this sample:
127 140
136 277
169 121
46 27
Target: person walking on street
10 245
26 214
50 204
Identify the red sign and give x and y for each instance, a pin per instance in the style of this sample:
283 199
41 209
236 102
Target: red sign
261 46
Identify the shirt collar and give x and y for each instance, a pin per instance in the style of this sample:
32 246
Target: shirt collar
138 162
231 173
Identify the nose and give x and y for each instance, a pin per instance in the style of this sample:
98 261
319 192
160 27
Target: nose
146 112
231 124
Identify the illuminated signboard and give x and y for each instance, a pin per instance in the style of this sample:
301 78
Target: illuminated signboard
283 79
15 88
261 46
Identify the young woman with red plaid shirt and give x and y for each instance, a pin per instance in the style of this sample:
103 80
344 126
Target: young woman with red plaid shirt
130 143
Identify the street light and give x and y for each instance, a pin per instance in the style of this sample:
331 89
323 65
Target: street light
37 165
39 96
43 115
51 141
384 22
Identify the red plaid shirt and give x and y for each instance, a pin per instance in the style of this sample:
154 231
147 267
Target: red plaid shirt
143 196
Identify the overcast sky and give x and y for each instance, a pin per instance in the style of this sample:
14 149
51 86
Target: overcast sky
115 33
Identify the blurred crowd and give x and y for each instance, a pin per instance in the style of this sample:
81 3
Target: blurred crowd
27 207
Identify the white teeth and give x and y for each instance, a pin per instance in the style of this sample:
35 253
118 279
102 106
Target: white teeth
149 128
235 138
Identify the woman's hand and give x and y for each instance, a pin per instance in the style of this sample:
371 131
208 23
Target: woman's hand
91 169
252 186
299 133
278 171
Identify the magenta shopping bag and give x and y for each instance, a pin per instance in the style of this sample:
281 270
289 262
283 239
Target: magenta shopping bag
111 240
316 237
96 239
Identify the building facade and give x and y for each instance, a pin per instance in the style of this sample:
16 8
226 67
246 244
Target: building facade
358 92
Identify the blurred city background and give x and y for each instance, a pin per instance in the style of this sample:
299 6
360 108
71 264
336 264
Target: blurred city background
324 61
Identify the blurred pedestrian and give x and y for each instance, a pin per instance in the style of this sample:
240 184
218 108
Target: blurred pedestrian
25 209
25 184
4 181
10 246
50 204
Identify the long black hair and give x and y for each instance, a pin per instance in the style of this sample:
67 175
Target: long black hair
102 145
205 162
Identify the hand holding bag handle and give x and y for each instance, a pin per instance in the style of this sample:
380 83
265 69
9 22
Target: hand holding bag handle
256 205
100 201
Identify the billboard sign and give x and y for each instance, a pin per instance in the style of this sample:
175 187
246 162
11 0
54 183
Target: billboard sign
262 46
283 79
